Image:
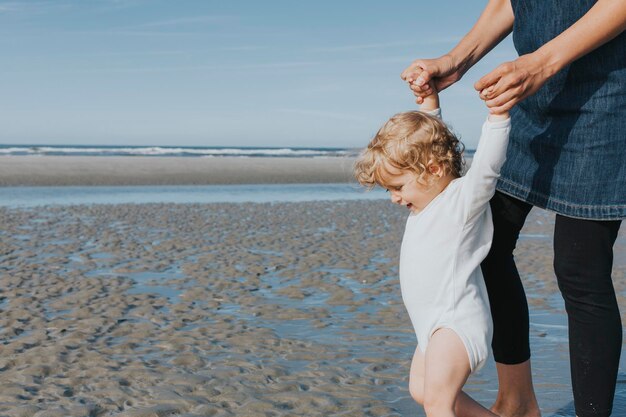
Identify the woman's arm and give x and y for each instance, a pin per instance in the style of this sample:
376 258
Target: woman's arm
513 81
493 25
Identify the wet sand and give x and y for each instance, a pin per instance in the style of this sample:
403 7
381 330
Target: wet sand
288 309
130 170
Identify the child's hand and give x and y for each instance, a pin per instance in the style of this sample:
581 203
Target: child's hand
429 98
422 92
493 115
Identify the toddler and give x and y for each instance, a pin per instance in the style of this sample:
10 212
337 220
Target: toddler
448 233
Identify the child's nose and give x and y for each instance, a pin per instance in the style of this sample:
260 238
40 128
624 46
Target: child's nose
395 198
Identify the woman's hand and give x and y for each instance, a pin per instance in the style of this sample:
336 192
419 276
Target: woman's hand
442 71
513 81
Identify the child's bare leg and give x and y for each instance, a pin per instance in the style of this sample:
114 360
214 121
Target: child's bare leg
465 406
446 370
416 377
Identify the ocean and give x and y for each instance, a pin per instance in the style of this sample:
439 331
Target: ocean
188 151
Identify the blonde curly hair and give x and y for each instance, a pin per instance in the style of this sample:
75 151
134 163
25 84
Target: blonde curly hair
411 140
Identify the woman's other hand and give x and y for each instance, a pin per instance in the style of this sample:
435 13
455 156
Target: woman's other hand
512 82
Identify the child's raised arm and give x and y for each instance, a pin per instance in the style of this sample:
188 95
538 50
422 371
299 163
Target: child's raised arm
482 177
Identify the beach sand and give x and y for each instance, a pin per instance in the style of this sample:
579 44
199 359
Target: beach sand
130 170
258 310
253 309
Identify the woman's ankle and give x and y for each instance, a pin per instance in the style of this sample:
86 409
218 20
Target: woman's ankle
516 395
527 408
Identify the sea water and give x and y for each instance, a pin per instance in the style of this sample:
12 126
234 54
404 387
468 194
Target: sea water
258 193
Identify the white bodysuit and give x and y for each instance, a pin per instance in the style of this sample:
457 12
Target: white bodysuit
443 246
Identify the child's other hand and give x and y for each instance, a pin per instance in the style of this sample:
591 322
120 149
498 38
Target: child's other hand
494 115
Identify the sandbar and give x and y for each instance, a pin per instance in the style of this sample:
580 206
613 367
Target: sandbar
135 170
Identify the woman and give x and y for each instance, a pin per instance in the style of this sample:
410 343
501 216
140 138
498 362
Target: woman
567 154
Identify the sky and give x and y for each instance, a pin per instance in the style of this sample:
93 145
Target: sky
280 73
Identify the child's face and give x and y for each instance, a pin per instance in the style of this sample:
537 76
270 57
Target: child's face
408 189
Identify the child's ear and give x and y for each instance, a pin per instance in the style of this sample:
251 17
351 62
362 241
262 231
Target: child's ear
435 169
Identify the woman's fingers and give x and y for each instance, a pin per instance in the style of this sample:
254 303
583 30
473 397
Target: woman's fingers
503 85
422 79
493 77
418 77
509 96
421 71
412 71
409 71
512 82
427 76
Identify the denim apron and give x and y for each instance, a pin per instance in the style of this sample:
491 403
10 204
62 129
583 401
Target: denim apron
567 151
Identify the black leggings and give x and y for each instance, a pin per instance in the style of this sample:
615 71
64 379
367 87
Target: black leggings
583 259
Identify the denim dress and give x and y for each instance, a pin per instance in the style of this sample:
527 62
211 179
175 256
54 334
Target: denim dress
567 151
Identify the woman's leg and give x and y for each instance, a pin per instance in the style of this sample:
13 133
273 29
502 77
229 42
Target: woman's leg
583 259
509 310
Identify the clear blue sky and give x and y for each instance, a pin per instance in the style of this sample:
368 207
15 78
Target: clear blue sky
224 73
